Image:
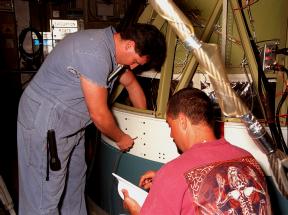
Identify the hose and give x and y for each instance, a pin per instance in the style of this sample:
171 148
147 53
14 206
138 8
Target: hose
30 57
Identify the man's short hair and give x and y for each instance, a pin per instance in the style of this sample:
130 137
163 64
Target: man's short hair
148 41
193 103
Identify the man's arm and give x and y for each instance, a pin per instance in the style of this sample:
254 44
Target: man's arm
135 91
96 101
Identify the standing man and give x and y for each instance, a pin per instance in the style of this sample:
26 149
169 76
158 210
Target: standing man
211 176
70 90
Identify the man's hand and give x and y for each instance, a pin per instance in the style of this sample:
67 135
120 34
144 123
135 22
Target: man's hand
125 143
146 179
130 204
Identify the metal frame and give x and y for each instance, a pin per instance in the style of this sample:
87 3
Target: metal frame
193 64
190 69
252 64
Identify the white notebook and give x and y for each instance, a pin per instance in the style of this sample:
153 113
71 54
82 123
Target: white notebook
134 191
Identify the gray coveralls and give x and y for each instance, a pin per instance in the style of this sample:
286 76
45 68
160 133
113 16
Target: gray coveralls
54 100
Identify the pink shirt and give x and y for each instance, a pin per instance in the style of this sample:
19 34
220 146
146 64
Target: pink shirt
170 193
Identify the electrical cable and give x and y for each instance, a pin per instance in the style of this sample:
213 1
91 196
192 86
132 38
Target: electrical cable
283 98
266 99
283 51
114 184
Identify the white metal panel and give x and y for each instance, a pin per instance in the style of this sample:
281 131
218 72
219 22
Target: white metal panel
153 136
154 142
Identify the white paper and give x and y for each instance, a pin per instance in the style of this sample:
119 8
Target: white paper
134 192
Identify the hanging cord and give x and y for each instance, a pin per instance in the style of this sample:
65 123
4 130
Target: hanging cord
114 181
266 99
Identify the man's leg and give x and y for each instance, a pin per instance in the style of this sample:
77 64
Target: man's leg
74 196
37 196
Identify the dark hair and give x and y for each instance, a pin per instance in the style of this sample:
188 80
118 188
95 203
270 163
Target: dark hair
194 103
148 41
